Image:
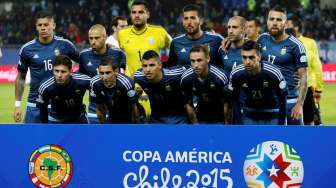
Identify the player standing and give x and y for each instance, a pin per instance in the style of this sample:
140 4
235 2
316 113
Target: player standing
118 23
38 56
288 53
181 45
315 81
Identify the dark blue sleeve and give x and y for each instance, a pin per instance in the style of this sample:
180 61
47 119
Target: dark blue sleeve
81 61
122 59
42 103
24 61
172 60
72 51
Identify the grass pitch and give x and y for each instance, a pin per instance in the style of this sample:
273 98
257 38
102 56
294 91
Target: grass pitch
7 95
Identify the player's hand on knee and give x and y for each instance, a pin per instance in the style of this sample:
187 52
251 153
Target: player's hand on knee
296 112
17 114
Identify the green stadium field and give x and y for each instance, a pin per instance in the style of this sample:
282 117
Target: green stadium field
328 103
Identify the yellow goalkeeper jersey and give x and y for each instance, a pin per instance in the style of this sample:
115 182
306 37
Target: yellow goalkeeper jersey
314 63
136 43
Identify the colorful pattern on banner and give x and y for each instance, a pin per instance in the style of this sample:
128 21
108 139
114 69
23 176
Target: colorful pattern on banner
171 156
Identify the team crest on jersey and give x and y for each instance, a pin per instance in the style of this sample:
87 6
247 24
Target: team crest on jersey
50 166
212 86
168 87
57 52
78 91
283 51
265 83
151 40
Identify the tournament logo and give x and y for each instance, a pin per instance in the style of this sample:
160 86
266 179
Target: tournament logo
273 164
50 166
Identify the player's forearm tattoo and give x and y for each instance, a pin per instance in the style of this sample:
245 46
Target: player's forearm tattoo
303 87
20 84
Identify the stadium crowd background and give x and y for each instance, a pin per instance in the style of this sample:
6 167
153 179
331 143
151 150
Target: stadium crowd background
73 18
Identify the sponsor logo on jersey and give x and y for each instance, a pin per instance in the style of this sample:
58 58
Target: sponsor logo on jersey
36 56
183 50
50 166
273 164
89 63
168 87
264 48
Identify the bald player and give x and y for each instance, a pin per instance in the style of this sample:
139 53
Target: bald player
232 58
90 58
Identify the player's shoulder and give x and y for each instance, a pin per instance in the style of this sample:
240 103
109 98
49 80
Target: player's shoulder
125 81
85 51
179 38
125 30
174 71
94 81
139 74
307 40
27 45
296 42
239 69
63 41
214 35
187 74
112 49
217 72
78 76
264 36
46 84
156 27
272 70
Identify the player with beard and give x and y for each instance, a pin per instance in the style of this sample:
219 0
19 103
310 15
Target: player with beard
263 86
288 53
181 45
90 58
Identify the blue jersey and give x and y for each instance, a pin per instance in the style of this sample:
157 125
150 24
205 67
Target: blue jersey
231 59
264 93
117 100
210 93
165 96
89 61
66 101
181 46
39 58
288 55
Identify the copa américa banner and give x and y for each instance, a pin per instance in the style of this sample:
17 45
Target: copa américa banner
171 156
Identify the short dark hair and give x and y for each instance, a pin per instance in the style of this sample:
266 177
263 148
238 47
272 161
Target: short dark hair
193 7
116 19
201 48
63 60
151 54
279 8
141 2
296 21
43 14
109 61
251 45
256 21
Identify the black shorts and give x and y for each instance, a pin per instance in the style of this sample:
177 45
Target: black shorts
309 106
